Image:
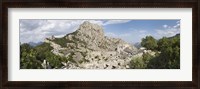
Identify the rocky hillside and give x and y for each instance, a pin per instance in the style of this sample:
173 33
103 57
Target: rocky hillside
88 48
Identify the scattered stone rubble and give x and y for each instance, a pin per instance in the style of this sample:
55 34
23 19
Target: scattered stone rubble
90 49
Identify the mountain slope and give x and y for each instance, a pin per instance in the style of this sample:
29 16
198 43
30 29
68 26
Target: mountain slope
91 49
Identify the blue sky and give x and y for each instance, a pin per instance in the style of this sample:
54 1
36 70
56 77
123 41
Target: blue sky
134 30
131 31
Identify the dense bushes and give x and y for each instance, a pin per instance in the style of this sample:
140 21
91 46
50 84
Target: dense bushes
149 42
170 53
32 58
167 54
62 41
28 58
141 62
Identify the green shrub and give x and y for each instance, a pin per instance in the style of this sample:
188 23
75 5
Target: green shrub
32 58
149 42
141 62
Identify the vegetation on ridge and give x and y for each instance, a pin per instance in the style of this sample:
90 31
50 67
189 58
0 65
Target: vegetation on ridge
33 57
167 54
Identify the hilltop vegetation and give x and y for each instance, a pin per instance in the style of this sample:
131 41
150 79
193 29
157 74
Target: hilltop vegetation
33 57
167 54
88 48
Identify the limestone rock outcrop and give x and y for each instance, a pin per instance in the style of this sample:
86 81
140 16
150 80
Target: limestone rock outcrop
91 49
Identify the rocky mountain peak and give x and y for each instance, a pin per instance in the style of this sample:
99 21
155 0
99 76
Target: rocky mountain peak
88 45
89 33
87 27
86 23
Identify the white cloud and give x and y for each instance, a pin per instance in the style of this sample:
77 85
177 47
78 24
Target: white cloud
168 31
110 34
38 30
136 35
177 26
142 31
165 26
130 37
116 22
99 22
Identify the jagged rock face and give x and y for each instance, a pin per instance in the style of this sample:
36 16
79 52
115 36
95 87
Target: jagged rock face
90 30
88 33
98 51
92 36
